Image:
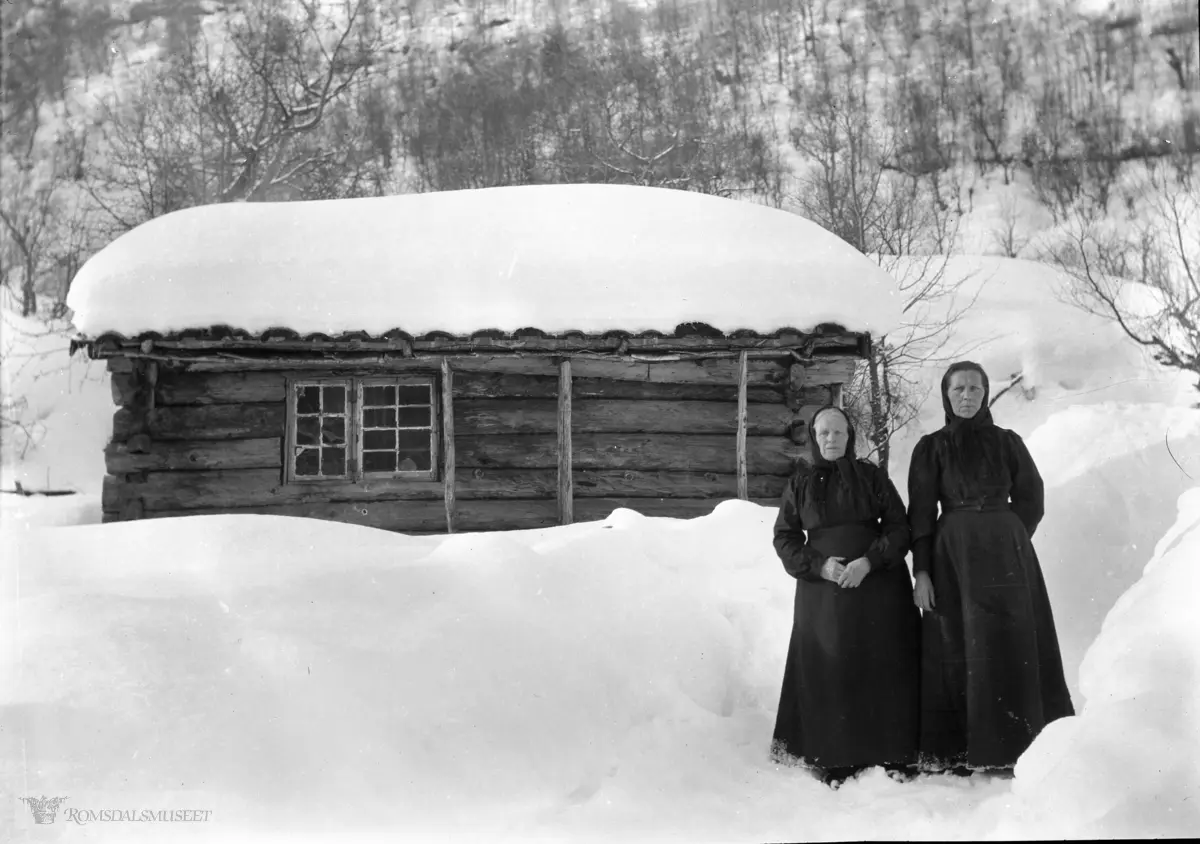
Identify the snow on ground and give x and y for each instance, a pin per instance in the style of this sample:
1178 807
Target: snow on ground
555 257
605 680
63 407
1126 767
600 680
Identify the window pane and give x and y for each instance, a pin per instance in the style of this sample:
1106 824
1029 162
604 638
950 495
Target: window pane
410 417
333 430
379 418
308 430
414 461
379 461
307 462
333 461
413 395
335 399
413 440
308 400
377 396
379 440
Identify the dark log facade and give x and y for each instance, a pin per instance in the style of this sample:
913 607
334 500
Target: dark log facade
668 428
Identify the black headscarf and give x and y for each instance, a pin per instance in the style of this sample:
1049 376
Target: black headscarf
969 440
845 467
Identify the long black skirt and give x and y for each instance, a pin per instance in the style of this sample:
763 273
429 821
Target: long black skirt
991 670
849 697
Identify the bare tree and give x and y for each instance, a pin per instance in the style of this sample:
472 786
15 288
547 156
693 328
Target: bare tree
1144 276
39 219
1007 235
896 218
235 117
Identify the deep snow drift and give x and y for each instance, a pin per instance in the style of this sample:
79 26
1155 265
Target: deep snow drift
604 680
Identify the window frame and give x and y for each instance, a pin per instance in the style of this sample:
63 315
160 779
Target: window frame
430 474
354 385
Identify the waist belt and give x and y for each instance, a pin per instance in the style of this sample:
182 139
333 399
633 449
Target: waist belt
977 505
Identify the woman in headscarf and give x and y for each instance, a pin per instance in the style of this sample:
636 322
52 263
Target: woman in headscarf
991 671
849 698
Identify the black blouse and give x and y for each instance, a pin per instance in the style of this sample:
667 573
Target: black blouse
799 512
935 475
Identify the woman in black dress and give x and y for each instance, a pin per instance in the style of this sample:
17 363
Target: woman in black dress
991 671
849 698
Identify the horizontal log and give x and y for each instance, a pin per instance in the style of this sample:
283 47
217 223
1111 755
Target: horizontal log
499 342
189 388
398 515
686 452
700 371
597 509
766 372
114 492
234 488
532 416
205 422
125 387
127 422
428 517
490 385
251 487
601 483
194 455
835 369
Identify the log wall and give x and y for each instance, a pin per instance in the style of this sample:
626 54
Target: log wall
661 438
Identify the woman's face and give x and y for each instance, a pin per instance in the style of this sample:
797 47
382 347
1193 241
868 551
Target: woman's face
966 393
832 435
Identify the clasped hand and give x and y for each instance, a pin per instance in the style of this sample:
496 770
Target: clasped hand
847 575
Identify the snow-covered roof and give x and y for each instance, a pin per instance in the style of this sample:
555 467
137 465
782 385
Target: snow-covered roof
558 258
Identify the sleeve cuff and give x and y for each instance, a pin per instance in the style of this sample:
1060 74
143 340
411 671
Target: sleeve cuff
875 558
922 555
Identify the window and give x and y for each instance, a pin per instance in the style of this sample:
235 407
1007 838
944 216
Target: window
353 429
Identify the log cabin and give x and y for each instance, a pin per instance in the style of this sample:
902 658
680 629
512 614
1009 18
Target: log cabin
299 359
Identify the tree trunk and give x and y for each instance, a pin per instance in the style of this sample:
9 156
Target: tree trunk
879 420
28 293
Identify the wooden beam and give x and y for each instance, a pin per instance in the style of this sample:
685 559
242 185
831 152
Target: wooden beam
448 442
151 376
638 452
141 454
493 385
766 368
456 345
226 489
184 388
566 492
203 422
741 429
429 516
540 416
